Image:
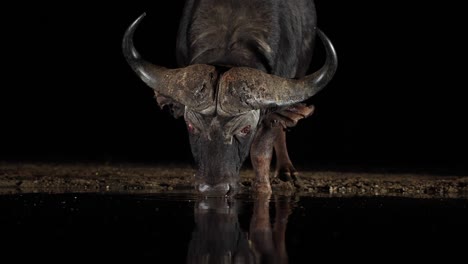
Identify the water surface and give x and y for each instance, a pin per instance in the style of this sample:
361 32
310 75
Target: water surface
183 228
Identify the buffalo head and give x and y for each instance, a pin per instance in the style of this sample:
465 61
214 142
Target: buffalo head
223 107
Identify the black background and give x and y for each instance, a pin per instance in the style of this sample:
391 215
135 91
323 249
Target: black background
396 100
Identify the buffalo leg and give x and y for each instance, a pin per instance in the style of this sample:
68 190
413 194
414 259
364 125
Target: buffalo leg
288 117
285 170
261 152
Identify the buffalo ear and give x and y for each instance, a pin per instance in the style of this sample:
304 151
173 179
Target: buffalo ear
289 116
175 108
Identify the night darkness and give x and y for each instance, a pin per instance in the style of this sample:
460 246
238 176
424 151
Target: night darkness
396 100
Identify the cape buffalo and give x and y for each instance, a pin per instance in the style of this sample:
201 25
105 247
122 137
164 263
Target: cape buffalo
240 84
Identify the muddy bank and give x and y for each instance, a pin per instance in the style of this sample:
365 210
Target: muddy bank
58 178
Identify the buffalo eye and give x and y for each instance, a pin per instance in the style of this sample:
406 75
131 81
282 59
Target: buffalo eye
245 131
190 127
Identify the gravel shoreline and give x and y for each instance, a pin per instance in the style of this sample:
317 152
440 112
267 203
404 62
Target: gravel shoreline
131 178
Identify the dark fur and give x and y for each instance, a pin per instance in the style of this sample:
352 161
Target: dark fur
229 33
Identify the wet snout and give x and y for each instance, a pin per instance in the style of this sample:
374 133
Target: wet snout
216 186
219 189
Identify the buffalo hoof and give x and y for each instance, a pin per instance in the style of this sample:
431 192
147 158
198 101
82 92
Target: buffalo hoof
289 174
286 173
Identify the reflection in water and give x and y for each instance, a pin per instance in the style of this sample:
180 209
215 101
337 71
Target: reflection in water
218 237
158 228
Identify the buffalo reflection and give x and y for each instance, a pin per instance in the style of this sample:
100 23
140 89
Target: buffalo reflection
218 237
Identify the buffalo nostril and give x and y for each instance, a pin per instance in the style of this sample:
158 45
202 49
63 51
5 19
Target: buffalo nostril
214 190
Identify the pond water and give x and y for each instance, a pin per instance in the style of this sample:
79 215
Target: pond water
183 228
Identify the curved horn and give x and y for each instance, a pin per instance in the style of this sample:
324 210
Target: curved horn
243 89
192 86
